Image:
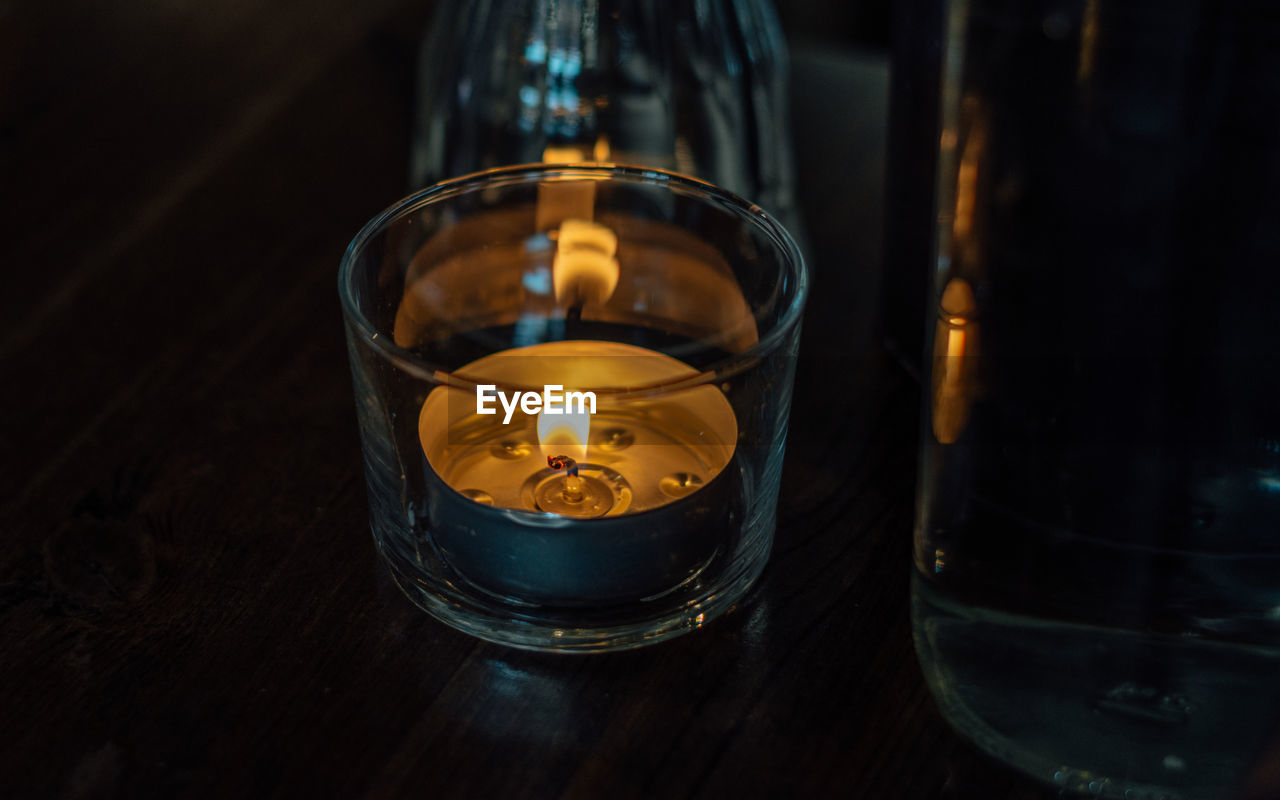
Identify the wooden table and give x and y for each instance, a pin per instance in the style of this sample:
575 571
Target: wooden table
189 595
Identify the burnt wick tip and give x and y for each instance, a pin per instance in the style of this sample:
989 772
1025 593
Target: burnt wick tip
563 462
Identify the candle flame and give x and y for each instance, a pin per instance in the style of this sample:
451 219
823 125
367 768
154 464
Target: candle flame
565 434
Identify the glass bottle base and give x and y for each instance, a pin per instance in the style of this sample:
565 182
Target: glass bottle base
1093 711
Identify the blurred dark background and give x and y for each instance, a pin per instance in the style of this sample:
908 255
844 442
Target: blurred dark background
858 23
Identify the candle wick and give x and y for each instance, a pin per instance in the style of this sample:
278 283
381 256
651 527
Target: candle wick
565 463
572 489
572 492
574 314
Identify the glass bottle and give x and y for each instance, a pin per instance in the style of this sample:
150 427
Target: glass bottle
694 87
1097 592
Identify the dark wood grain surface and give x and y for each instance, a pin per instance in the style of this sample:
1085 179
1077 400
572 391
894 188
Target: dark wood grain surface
189 595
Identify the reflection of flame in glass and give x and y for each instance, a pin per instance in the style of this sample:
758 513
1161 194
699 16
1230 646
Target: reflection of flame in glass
955 345
565 434
575 153
1088 42
954 352
584 269
968 176
564 154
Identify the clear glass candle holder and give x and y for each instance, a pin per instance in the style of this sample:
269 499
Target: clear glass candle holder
573 385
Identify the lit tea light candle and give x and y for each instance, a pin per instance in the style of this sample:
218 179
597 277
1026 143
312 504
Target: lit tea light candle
566 506
652 489
638 517
641 434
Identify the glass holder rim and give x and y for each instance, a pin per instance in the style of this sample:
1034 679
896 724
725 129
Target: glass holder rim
524 173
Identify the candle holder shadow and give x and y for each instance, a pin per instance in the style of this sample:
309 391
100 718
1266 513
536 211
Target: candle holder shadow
598 529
